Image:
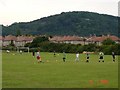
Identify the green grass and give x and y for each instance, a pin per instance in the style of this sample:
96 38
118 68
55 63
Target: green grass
23 71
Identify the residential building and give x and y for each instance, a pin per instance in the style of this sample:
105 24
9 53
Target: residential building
17 41
67 39
83 40
99 39
8 39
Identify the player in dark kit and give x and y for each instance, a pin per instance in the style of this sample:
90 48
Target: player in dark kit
101 57
33 53
54 54
113 55
64 56
87 57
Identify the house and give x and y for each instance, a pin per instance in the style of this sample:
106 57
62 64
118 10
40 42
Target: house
99 39
67 39
1 41
17 41
22 40
114 38
8 39
83 40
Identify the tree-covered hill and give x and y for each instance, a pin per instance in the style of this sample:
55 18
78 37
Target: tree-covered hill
67 23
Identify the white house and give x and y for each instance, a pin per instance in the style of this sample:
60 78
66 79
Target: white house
8 39
18 41
22 40
67 39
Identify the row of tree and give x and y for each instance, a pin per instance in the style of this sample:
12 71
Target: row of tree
44 44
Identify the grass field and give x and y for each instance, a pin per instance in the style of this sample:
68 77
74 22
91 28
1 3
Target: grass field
23 71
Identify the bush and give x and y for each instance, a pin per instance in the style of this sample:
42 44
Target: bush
11 48
108 49
44 45
108 42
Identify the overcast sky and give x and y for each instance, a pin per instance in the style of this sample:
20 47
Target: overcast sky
28 10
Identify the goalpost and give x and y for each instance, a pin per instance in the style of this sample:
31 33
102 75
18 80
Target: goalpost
23 48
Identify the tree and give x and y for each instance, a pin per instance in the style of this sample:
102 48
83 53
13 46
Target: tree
18 33
38 40
12 43
108 42
84 39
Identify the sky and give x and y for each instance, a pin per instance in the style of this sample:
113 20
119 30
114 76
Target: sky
28 10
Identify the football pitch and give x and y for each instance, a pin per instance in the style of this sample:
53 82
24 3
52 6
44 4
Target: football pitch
23 71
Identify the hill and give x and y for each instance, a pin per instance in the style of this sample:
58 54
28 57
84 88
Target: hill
67 23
